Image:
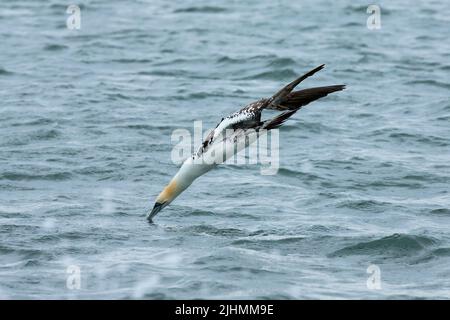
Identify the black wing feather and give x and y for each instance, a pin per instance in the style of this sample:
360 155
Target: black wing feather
298 99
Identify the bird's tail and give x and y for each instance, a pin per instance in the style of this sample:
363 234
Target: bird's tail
278 120
295 100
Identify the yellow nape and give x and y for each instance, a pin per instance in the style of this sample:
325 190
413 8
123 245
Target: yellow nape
168 192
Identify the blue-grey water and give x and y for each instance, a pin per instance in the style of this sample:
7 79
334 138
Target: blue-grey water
86 118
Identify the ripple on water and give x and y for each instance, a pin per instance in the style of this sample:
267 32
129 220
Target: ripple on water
419 138
433 83
286 172
213 231
366 205
55 47
396 245
274 74
4 72
201 9
441 211
21 176
283 244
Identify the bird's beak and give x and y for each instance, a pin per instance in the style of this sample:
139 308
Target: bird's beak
156 208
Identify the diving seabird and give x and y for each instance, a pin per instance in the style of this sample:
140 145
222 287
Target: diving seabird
245 123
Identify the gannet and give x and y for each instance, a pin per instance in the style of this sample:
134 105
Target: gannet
245 123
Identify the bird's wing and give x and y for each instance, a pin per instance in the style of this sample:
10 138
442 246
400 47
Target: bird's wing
281 96
294 101
285 99
298 99
247 118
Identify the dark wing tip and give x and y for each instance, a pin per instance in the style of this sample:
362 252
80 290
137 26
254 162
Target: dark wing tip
313 71
309 74
297 99
318 68
340 87
281 95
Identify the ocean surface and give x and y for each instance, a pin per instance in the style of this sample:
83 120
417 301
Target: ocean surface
360 206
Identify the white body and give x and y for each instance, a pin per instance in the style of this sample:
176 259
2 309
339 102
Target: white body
217 153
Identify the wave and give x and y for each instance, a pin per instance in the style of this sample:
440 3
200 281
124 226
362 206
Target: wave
17 176
297 174
279 75
242 60
369 205
238 269
441 211
433 83
4 72
199 212
405 137
55 47
36 122
388 182
396 245
213 231
362 9
204 9
433 255
131 60
149 127
281 62
441 252
270 243
427 139
268 61
27 253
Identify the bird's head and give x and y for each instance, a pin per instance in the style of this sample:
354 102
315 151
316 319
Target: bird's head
169 193
188 172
